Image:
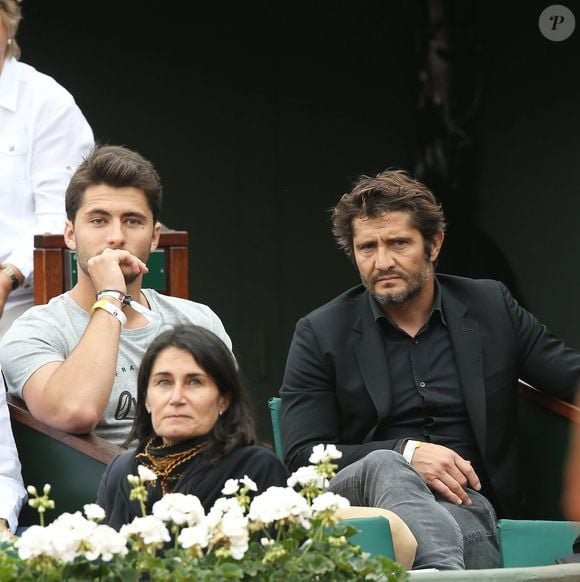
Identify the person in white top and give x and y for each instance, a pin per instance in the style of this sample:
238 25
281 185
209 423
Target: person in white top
12 492
43 137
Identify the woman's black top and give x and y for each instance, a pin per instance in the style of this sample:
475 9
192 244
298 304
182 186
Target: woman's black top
198 478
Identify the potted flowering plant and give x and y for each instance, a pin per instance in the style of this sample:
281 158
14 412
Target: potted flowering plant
285 533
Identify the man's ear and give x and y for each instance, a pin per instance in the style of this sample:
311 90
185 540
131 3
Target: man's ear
436 245
69 235
155 237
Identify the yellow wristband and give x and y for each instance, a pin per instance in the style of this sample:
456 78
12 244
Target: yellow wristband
110 308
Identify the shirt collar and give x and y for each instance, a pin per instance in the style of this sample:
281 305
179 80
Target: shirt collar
9 84
437 304
379 315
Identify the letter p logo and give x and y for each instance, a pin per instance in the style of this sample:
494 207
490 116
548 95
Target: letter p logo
557 22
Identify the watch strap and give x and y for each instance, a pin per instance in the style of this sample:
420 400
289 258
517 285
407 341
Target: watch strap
12 275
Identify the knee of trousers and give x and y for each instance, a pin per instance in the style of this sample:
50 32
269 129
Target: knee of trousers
390 466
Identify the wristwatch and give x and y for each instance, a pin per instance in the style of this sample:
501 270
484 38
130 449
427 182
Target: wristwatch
10 272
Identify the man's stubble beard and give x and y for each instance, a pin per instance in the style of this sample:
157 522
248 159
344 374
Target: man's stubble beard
415 284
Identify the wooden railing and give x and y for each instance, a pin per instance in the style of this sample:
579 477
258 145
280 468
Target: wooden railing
71 463
545 424
560 407
90 445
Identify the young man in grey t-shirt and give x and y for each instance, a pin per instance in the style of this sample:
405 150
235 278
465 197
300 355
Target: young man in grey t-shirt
74 361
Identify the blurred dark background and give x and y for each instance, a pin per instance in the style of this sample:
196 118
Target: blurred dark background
259 115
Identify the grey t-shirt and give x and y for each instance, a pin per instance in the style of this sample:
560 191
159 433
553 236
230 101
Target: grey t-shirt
49 333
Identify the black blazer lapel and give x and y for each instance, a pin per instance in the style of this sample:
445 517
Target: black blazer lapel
372 361
466 342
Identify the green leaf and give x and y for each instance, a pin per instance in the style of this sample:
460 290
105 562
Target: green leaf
229 571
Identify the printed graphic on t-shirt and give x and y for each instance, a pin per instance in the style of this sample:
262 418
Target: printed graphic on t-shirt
125 406
126 376
125 369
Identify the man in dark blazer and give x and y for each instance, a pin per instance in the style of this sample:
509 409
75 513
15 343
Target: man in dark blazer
413 377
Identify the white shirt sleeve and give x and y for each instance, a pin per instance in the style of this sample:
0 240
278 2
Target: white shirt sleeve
51 167
43 137
12 492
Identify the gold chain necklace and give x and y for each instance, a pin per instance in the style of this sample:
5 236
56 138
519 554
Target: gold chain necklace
165 467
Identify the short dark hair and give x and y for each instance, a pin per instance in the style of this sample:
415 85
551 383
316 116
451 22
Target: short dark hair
388 191
235 427
118 167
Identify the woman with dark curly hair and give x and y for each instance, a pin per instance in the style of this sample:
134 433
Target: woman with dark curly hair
193 426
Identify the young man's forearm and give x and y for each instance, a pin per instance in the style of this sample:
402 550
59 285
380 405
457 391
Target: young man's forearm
75 395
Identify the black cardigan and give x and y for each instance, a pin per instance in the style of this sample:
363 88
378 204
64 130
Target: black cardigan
205 481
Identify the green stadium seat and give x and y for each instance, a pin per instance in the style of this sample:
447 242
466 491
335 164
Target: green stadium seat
526 543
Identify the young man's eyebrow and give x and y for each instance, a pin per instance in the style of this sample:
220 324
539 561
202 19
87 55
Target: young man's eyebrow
98 211
134 214
103 212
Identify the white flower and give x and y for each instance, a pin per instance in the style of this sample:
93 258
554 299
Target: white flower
238 550
69 531
105 543
197 535
35 541
230 487
251 485
329 501
308 477
94 512
267 541
234 526
228 526
149 528
277 503
324 454
146 474
179 508
74 521
61 540
222 506
71 536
